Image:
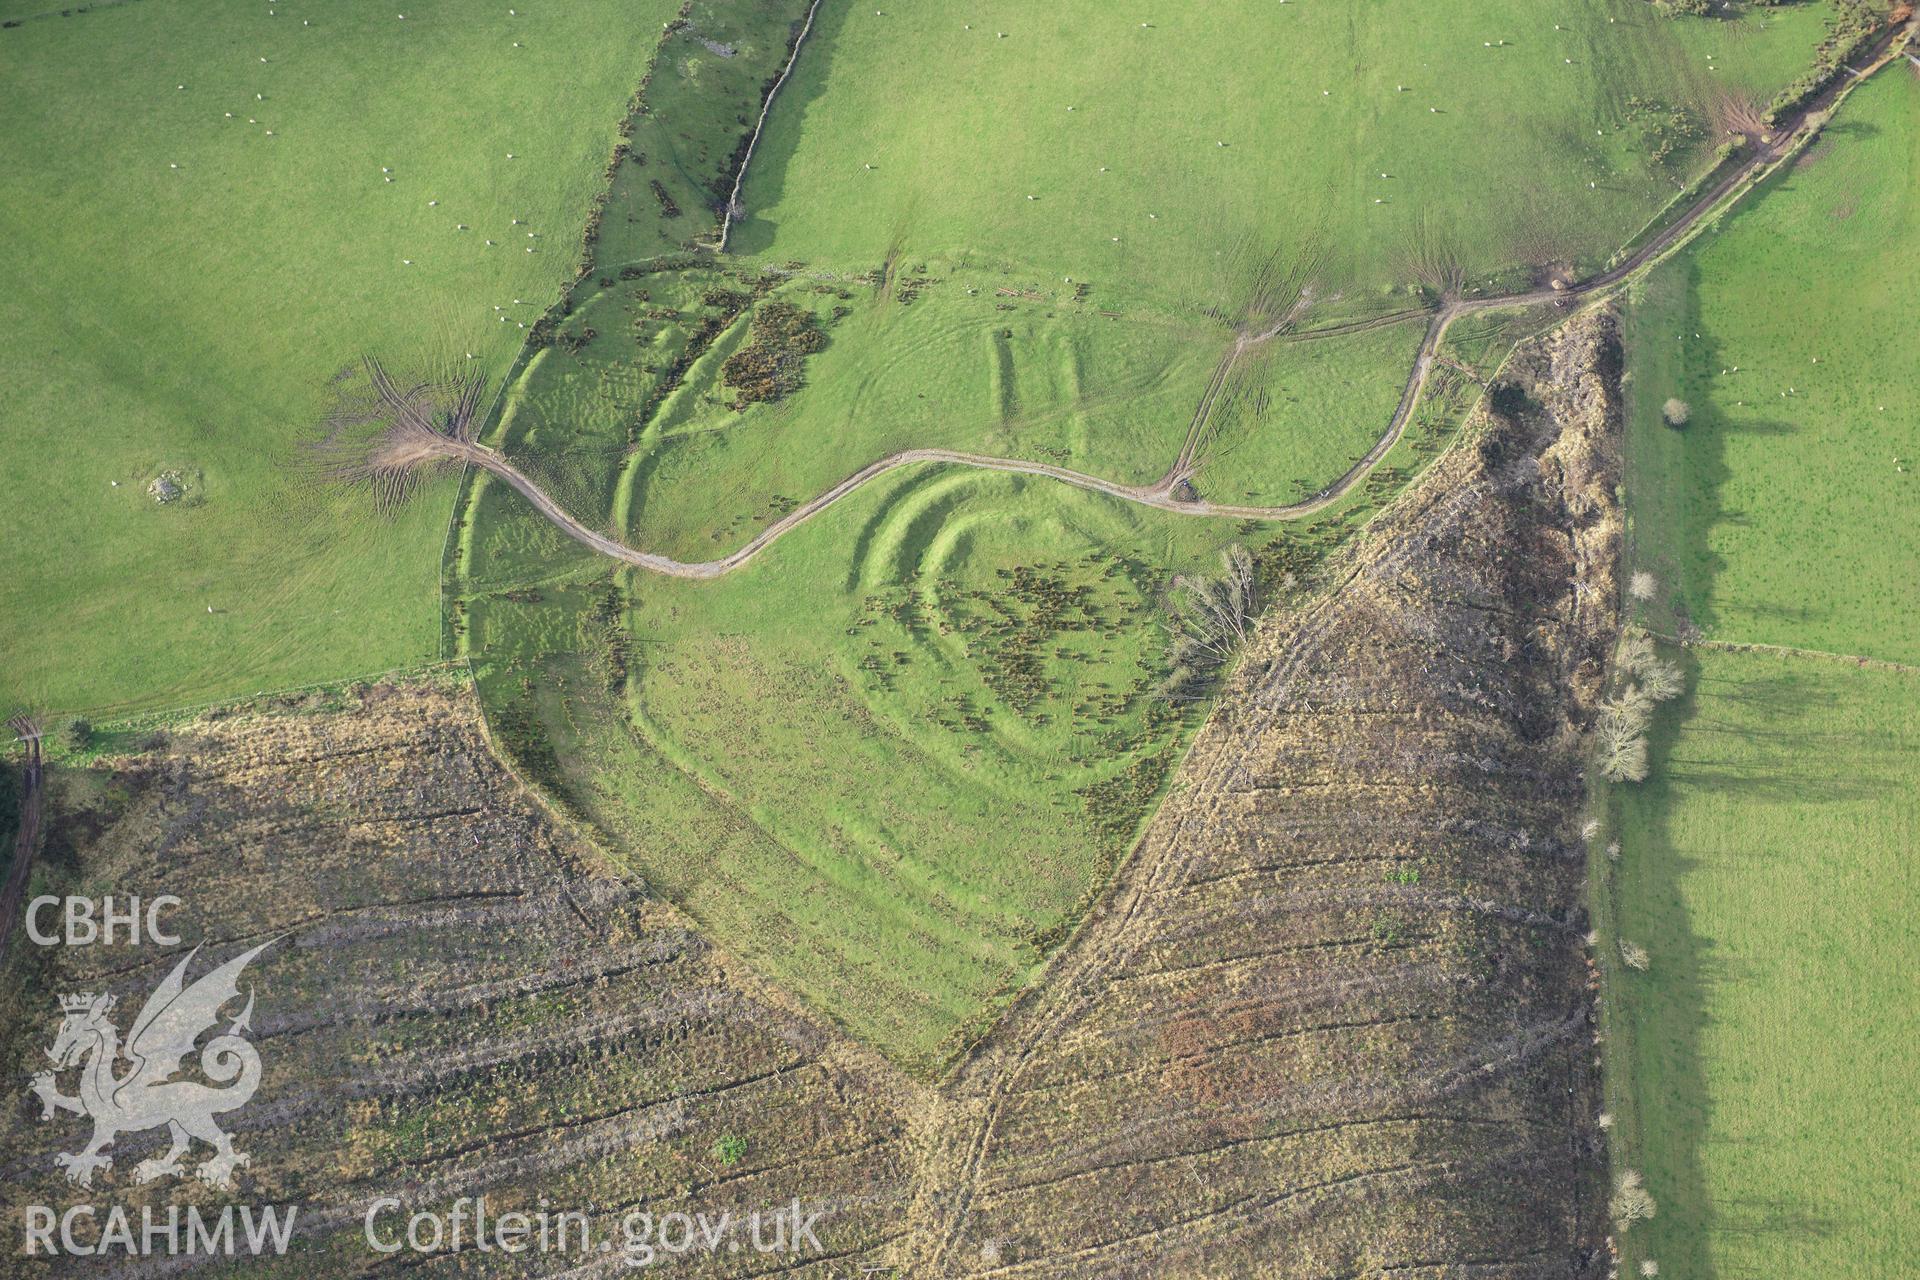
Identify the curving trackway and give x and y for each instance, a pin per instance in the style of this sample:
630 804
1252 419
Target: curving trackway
1764 158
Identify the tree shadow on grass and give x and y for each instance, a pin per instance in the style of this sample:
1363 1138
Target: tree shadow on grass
766 181
1750 734
1691 465
1785 758
1669 1005
1670 1008
1851 130
1697 473
1771 1218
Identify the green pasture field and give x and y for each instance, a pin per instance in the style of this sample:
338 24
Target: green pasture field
1295 415
1767 871
1788 510
1762 1074
886 760
701 98
950 363
1514 135
190 319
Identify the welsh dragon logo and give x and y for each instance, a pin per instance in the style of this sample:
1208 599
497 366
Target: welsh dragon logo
145 1095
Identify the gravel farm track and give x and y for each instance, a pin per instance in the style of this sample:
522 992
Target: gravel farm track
1766 152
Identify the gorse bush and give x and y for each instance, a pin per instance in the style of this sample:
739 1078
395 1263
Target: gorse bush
772 365
76 734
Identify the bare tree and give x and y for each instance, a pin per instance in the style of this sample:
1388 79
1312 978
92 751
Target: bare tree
1622 733
1662 681
1676 412
1625 760
1647 672
1624 720
1631 1200
1212 617
1636 651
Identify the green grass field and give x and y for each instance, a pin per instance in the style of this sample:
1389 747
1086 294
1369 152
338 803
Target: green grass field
1788 510
1491 119
190 322
1763 1075
623 436
890 760
1767 870
190 319
1297 414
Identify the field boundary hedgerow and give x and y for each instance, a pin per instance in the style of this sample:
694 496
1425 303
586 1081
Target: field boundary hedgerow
1789 651
161 717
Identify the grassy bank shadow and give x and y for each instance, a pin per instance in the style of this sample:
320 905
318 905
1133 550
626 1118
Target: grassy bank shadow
766 180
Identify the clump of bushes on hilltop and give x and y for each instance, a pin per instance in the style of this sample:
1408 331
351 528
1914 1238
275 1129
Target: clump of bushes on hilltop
772 365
